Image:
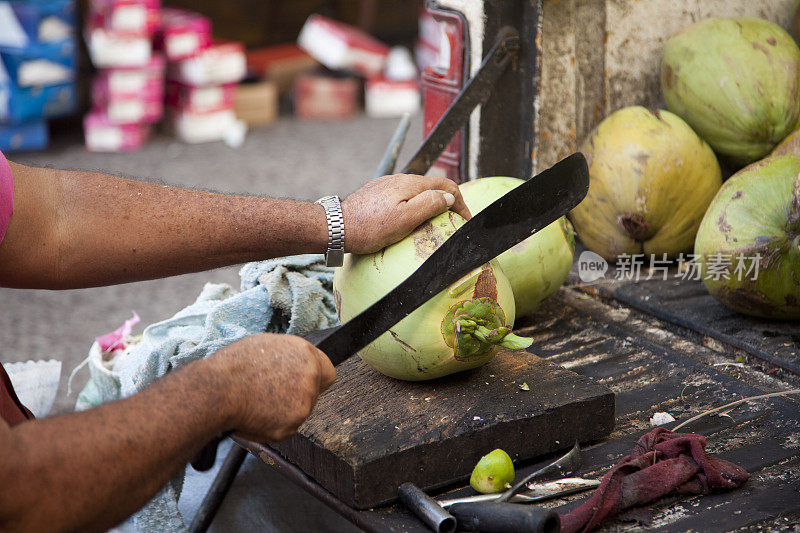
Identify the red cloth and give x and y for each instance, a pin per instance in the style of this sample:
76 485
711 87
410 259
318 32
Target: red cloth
662 463
11 409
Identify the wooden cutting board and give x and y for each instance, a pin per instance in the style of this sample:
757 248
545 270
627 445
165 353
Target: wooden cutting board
369 433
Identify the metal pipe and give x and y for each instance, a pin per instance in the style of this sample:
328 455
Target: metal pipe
505 518
389 159
219 488
426 509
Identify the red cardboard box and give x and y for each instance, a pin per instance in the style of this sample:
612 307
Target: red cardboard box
340 46
388 98
129 82
103 136
201 127
323 97
128 110
281 64
222 62
137 17
200 99
183 33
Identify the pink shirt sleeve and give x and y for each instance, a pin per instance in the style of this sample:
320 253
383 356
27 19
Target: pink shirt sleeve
6 198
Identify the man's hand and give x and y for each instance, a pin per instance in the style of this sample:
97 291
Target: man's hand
275 381
388 208
87 471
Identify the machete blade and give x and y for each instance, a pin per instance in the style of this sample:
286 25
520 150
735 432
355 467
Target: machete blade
512 218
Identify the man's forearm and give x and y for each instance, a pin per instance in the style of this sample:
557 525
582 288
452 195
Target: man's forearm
90 470
78 229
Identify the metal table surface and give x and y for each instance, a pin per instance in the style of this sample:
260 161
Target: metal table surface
660 345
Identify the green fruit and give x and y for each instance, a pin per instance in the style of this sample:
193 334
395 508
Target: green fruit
736 82
460 328
537 266
790 145
794 26
493 473
756 213
651 180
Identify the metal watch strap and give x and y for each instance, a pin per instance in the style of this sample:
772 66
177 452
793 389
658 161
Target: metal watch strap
334 257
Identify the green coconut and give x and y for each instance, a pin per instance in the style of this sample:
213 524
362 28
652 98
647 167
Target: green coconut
736 81
537 266
651 180
493 473
790 145
460 328
794 26
751 236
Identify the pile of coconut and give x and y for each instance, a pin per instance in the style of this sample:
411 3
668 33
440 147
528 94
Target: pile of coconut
732 86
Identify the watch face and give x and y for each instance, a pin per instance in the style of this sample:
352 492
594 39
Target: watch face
334 258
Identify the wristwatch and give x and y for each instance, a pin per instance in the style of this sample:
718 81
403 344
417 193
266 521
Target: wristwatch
334 256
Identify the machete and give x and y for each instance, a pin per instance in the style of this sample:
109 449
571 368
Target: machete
511 219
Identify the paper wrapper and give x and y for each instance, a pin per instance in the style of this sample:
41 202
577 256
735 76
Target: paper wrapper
36 384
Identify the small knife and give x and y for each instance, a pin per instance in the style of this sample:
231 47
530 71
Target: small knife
510 219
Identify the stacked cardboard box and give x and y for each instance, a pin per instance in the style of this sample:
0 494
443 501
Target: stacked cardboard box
202 77
148 56
128 88
391 85
37 69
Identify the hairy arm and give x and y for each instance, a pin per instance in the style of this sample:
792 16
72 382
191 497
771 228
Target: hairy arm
79 229
74 229
88 471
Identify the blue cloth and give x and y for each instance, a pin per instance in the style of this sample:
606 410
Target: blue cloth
287 295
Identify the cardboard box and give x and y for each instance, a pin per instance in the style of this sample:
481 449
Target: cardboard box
257 103
108 49
41 21
281 64
41 63
318 96
183 33
24 104
100 135
26 136
201 127
137 17
127 110
146 81
340 46
222 62
387 98
200 99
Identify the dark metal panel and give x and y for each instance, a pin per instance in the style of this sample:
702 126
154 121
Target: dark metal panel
507 118
687 304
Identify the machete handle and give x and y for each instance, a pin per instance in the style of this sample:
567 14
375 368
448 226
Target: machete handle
505 518
206 457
